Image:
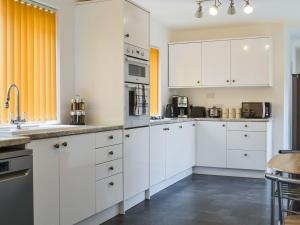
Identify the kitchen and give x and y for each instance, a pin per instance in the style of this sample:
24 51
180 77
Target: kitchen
215 77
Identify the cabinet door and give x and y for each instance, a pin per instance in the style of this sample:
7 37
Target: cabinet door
216 63
174 150
189 147
185 65
251 62
157 154
136 26
45 181
77 178
136 161
211 144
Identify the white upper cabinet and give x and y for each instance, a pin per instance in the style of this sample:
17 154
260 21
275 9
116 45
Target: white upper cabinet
251 62
136 26
216 63
185 65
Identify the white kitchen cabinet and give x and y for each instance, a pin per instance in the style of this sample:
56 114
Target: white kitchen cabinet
250 160
216 63
45 181
77 178
136 161
137 22
158 147
241 140
185 65
251 62
189 145
211 144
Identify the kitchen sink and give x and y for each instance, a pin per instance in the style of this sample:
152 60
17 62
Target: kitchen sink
31 128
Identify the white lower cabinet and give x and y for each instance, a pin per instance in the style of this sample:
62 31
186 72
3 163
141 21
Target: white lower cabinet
77 178
136 161
251 160
172 150
211 144
241 140
64 176
109 192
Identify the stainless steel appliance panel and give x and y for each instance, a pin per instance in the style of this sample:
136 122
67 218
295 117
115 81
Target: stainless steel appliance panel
16 191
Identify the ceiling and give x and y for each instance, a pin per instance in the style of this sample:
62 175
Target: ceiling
180 13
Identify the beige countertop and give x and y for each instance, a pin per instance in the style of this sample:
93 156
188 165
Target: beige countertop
182 120
25 137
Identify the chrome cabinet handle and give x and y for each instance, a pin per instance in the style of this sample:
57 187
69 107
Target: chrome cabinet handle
245 154
127 135
111 183
246 135
111 168
194 125
233 81
111 137
166 129
111 153
56 146
180 126
127 35
65 144
227 81
223 125
246 125
198 82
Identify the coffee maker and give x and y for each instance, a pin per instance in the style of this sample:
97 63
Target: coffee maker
180 106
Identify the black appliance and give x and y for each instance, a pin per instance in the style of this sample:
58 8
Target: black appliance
170 111
181 106
197 112
256 110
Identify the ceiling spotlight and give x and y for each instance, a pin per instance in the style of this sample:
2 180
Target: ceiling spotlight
248 9
231 9
199 12
214 9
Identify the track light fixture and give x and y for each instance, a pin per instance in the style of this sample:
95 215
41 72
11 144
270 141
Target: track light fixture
214 9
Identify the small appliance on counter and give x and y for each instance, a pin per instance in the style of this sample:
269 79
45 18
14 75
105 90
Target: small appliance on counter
181 106
170 111
77 111
256 110
215 112
197 112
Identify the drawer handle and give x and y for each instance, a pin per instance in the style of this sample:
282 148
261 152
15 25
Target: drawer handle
127 135
166 129
194 125
246 125
223 125
111 168
180 126
111 137
111 153
56 146
65 144
245 154
111 183
246 135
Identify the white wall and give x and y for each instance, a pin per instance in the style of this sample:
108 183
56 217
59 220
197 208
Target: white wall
65 56
159 38
232 97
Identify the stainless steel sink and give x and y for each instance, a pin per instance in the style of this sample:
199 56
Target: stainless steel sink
31 128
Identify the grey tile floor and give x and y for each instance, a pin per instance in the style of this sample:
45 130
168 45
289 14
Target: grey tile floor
204 200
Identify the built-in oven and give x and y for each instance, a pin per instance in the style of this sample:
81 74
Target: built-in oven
137 108
136 65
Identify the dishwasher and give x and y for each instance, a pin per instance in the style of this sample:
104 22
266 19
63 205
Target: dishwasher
16 187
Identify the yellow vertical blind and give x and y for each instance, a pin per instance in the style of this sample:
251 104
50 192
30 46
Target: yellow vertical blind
154 81
28 59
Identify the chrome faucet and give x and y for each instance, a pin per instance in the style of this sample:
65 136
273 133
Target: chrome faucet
18 120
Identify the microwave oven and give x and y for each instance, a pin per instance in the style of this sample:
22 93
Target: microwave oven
256 110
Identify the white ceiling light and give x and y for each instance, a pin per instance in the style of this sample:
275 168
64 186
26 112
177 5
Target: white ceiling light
214 9
248 9
199 12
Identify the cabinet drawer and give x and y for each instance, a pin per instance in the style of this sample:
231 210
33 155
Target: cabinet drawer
109 169
247 126
108 138
109 153
252 160
241 140
109 192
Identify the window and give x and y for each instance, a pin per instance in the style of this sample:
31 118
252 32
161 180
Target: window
28 59
154 81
